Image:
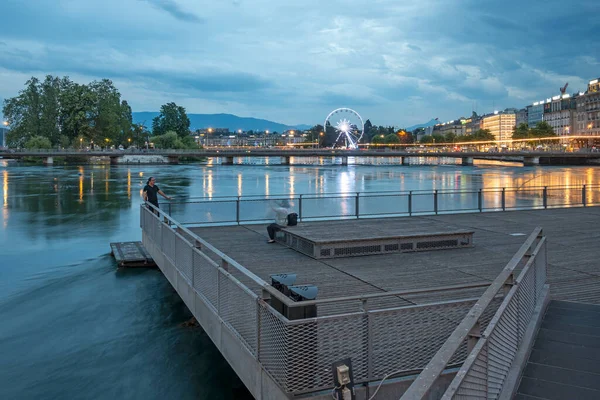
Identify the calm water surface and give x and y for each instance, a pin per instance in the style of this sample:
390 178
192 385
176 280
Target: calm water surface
74 326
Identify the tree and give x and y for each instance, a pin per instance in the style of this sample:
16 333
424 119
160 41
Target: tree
38 142
427 139
542 129
482 135
23 114
172 118
391 138
368 127
50 109
521 132
379 139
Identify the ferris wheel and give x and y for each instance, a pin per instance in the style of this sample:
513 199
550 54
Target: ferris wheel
349 127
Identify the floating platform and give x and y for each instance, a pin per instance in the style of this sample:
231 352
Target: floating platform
131 255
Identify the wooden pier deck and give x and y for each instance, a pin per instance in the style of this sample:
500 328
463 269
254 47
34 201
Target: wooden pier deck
573 237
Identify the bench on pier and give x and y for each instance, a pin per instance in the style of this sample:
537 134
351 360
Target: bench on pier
367 238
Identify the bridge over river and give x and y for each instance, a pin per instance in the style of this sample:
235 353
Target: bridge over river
227 155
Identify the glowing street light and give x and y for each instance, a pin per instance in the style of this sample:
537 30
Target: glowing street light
5 123
81 143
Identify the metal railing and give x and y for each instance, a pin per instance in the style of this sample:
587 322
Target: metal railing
381 332
254 209
492 352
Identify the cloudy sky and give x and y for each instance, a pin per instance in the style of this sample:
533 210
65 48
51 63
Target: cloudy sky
397 62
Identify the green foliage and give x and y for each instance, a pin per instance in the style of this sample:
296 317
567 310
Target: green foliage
542 129
392 138
170 140
38 142
172 118
480 135
62 110
521 132
426 139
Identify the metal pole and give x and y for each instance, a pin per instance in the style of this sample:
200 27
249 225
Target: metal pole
545 196
435 201
300 208
410 203
357 205
583 196
237 210
503 199
480 200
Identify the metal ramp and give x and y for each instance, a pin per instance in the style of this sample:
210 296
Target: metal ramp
564 363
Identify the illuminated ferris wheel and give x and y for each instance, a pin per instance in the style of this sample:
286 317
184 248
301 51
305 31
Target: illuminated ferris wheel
349 127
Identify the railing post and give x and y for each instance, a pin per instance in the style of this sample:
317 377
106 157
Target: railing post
480 201
503 199
357 205
237 210
435 201
300 208
410 203
584 196
545 197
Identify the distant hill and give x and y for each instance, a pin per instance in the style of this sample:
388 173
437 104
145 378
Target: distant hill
233 122
431 122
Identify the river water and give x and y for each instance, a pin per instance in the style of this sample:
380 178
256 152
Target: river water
72 325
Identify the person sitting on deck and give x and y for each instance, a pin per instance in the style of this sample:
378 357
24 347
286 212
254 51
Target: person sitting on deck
283 217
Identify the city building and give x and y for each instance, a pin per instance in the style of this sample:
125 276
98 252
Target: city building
472 125
522 117
457 127
559 113
587 118
535 113
499 124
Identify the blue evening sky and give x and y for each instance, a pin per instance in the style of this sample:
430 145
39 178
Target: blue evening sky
396 62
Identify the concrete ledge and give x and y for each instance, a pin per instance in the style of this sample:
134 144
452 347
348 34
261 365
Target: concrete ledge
513 378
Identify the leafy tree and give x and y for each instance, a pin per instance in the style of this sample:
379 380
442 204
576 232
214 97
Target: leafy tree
542 129
427 139
450 137
50 109
64 111
172 118
38 142
391 138
521 131
379 139
368 127
23 114
482 135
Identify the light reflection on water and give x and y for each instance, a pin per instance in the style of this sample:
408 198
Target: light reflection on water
57 280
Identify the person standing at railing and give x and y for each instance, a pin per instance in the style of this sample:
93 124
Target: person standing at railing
283 217
151 192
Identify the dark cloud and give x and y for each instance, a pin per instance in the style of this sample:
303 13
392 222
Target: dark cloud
171 7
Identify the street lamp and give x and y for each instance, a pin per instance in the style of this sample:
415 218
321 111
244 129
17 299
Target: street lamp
80 143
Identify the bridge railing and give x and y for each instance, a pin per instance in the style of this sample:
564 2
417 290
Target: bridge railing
491 353
255 209
383 333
